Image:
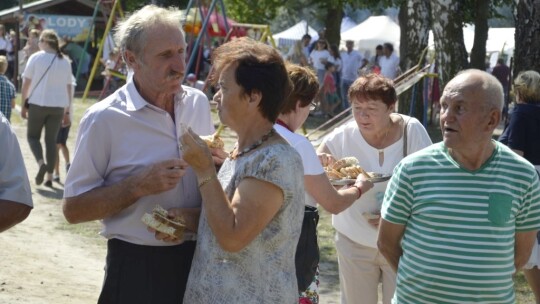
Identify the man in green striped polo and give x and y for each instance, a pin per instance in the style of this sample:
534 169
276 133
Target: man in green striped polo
460 217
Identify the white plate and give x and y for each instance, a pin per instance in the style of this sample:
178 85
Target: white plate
379 177
342 182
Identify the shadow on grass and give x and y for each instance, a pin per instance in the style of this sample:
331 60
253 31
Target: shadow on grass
52 193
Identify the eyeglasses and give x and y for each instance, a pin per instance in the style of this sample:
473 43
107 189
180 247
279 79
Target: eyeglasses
312 106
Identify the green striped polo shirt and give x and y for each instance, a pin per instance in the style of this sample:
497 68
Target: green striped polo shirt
458 245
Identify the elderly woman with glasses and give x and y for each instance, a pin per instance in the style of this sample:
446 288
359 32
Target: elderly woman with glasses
379 139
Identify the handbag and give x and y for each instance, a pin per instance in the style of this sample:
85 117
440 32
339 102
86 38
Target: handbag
26 104
307 252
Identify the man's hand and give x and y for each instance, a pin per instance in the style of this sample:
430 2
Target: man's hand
191 218
160 177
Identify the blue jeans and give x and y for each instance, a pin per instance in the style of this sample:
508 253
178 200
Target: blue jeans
345 85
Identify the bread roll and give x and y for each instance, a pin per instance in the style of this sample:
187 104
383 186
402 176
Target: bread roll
213 141
159 221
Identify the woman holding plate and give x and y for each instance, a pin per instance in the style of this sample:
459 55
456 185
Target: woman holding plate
379 139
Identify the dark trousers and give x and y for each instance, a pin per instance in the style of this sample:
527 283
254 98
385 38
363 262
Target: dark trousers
146 274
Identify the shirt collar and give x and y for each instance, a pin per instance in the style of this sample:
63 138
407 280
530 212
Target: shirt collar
135 102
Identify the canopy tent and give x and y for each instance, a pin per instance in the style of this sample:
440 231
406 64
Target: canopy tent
375 30
346 24
499 39
295 33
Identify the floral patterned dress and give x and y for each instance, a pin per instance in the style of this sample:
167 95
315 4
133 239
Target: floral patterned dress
264 271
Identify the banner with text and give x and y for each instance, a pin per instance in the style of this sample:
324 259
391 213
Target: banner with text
75 27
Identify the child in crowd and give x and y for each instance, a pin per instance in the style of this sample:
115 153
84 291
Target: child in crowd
7 90
331 99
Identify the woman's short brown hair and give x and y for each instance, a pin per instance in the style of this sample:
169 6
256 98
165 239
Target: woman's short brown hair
373 87
259 68
305 87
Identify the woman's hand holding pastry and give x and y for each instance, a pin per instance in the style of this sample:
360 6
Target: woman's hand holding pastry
196 153
326 159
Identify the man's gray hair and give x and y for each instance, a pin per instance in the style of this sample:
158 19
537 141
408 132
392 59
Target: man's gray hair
130 34
491 86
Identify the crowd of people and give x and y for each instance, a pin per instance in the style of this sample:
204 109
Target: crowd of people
452 224
336 70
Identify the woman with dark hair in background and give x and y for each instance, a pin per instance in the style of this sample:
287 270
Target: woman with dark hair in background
47 86
521 135
336 59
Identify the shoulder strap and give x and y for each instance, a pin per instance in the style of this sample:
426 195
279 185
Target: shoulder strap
42 76
405 146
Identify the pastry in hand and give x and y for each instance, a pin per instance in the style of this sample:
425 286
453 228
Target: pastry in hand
213 141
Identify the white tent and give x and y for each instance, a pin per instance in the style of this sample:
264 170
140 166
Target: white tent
375 30
295 33
499 39
346 24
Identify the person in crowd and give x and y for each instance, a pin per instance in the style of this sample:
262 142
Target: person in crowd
31 47
80 59
306 42
351 60
297 55
5 43
7 90
191 80
319 57
318 189
502 72
61 138
252 211
330 97
460 217
127 159
378 54
15 193
338 65
47 85
379 139
113 67
521 135
389 62
6 49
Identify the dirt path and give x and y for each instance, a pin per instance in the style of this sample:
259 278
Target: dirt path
41 260
45 260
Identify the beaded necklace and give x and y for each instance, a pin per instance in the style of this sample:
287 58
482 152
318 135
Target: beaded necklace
265 137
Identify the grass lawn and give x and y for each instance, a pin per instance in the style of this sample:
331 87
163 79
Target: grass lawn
326 233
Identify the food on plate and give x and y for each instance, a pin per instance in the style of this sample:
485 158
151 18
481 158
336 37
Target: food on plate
213 141
344 162
346 167
333 174
159 221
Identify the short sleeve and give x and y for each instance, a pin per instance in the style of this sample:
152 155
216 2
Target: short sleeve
14 184
279 165
398 198
417 136
528 217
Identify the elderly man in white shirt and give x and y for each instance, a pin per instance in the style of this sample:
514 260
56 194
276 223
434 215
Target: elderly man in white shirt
128 159
389 62
352 61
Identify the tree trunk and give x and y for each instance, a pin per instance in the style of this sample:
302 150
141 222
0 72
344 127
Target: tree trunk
333 24
526 54
414 20
448 36
478 52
